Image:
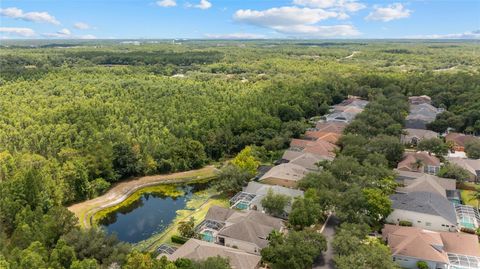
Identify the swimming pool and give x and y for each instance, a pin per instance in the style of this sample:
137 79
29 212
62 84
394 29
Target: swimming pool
207 235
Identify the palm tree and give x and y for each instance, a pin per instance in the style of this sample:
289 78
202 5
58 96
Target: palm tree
476 196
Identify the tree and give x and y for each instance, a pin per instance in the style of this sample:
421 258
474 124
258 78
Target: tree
246 161
274 204
231 179
305 211
476 196
62 255
389 146
433 145
451 170
187 228
472 148
379 206
137 260
84 264
297 250
422 265
126 159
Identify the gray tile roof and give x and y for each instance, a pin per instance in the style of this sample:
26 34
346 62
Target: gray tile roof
425 202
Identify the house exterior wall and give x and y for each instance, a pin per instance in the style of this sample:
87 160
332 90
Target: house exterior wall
280 182
411 263
424 221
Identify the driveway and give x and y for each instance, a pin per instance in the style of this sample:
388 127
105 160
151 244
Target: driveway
326 260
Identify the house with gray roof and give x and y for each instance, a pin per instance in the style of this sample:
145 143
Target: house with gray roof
420 115
426 210
244 230
414 136
251 197
199 250
285 174
472 166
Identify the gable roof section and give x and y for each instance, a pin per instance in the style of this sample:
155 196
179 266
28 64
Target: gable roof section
428 183
318 147
262 189
459 139
250 226
426 203
330 127
418 133
325 136
471 165
410 159
200 250
308 161
287 171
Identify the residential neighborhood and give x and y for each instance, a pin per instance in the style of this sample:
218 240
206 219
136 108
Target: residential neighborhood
429 221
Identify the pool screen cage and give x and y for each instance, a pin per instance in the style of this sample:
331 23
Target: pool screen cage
458 261
166 249
467 216
210 225
243 199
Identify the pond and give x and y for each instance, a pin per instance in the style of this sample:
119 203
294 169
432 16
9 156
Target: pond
149 215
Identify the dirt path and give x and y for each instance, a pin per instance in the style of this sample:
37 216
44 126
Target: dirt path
351 55
121 191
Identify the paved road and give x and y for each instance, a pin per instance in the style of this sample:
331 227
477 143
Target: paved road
326 260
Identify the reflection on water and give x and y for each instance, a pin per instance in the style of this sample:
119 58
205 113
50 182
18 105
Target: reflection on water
150 214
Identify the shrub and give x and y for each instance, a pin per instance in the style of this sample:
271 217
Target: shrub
467 230
422 265
178 239
405 223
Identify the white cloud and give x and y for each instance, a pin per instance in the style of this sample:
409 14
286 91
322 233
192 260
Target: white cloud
391 12
63 33
283 16
319 30
297 21
345 5
82 26
466 35
166 3
25 32
204 4
235 36
16 13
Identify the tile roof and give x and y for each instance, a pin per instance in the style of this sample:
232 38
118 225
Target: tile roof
471 165
429 245
288 171
459 139
250 226
200 250
428 183
409 161
425 202
330 127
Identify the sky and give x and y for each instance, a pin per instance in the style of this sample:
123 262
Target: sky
239 19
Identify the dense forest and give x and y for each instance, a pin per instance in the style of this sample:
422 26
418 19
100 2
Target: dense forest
76 118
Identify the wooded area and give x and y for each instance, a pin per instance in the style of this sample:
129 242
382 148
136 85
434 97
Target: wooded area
76 119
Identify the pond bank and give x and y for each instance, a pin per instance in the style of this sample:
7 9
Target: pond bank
85 211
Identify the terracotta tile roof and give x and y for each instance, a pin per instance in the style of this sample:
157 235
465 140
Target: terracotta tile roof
409 162
325 136
331 127
459 139
429 245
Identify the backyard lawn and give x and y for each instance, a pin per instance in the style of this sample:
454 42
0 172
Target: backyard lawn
467 198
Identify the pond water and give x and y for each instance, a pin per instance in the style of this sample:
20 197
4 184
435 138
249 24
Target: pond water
150 214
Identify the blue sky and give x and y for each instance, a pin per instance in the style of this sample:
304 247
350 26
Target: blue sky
239 19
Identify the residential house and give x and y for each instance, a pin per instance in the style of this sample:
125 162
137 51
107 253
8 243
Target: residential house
293 153
427 210
318 147
420 115
340 116
285 174
458 140
419 162
420 182
414 136
353 102
309 161
251 197
198 250
471 165
330 127
244 230
422 99
440 250
325 136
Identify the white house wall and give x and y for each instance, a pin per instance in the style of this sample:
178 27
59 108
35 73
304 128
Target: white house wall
420 220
